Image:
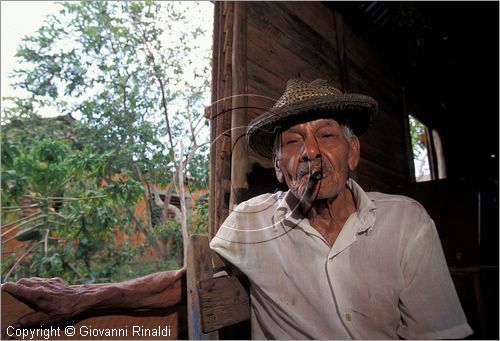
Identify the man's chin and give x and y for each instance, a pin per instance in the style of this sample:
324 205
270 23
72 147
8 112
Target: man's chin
309 195
310 191
320 194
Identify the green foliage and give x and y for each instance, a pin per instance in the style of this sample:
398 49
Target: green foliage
132 270
76 216
198 169
417 131
170 232
199 216
103 62
119 68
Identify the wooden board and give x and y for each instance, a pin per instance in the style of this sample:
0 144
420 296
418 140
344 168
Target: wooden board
199 265
157 324
274 23
213 303
224 301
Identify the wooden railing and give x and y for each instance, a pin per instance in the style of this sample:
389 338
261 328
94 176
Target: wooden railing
152 324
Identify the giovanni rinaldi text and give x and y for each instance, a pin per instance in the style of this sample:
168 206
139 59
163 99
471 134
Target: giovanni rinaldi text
49 332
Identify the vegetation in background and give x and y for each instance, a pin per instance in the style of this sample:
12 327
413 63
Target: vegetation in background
134 76
420 153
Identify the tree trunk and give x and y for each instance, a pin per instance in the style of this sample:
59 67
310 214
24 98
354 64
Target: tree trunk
147 197
166 248
182 198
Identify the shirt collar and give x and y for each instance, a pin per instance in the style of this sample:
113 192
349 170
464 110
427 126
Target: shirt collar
287 210
365 208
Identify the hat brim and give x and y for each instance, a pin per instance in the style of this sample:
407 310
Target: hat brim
356 111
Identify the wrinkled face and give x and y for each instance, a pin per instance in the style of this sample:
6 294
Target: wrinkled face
314 159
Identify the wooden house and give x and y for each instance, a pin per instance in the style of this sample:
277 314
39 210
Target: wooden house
435 61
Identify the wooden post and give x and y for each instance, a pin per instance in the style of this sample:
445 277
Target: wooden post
220 119
213 303
339 32
220 153
429 143
214 110
199 265
239 154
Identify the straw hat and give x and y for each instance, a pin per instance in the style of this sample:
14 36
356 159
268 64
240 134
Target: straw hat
303 102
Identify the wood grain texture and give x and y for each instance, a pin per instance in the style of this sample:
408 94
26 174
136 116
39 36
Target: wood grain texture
224 301
199 265
239 155
130 324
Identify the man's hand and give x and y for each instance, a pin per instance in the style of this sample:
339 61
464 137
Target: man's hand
51 299
55 301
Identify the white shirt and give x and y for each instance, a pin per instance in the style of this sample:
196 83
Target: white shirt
385 276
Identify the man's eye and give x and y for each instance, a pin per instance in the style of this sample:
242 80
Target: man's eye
326 135
290 142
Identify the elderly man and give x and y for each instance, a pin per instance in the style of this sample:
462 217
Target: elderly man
325 259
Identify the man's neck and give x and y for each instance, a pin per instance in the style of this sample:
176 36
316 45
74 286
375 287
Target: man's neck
328 216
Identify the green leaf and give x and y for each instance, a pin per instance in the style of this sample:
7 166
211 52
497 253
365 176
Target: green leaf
28 235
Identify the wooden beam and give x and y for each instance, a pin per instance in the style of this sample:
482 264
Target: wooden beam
339 32
199 265
224 301
214 109
171 322
220 116
213 303
223 187
429 143
239 154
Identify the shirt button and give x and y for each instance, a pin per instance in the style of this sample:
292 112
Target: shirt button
348 317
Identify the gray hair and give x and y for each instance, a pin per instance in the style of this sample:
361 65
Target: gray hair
346 130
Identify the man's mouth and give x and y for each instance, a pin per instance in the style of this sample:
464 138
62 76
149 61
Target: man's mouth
314 173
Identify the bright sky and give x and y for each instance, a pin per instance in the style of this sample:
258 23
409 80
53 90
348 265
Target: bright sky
21 18
18 19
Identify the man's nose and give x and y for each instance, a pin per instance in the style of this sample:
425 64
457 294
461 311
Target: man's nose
310 149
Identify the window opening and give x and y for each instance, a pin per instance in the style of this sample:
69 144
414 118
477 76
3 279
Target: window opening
428 156
421 155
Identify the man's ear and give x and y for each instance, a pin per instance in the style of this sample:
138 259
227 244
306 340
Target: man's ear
354 152
277 168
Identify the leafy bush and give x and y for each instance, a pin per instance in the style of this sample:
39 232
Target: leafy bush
70 184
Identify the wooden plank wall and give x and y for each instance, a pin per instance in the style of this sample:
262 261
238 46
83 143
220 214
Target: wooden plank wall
308 40
305 40
384 157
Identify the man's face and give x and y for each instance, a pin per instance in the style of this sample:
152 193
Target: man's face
318 148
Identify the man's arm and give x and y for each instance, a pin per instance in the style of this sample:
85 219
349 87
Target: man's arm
55 301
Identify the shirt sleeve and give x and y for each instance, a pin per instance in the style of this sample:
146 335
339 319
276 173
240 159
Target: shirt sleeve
429 304
227 243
